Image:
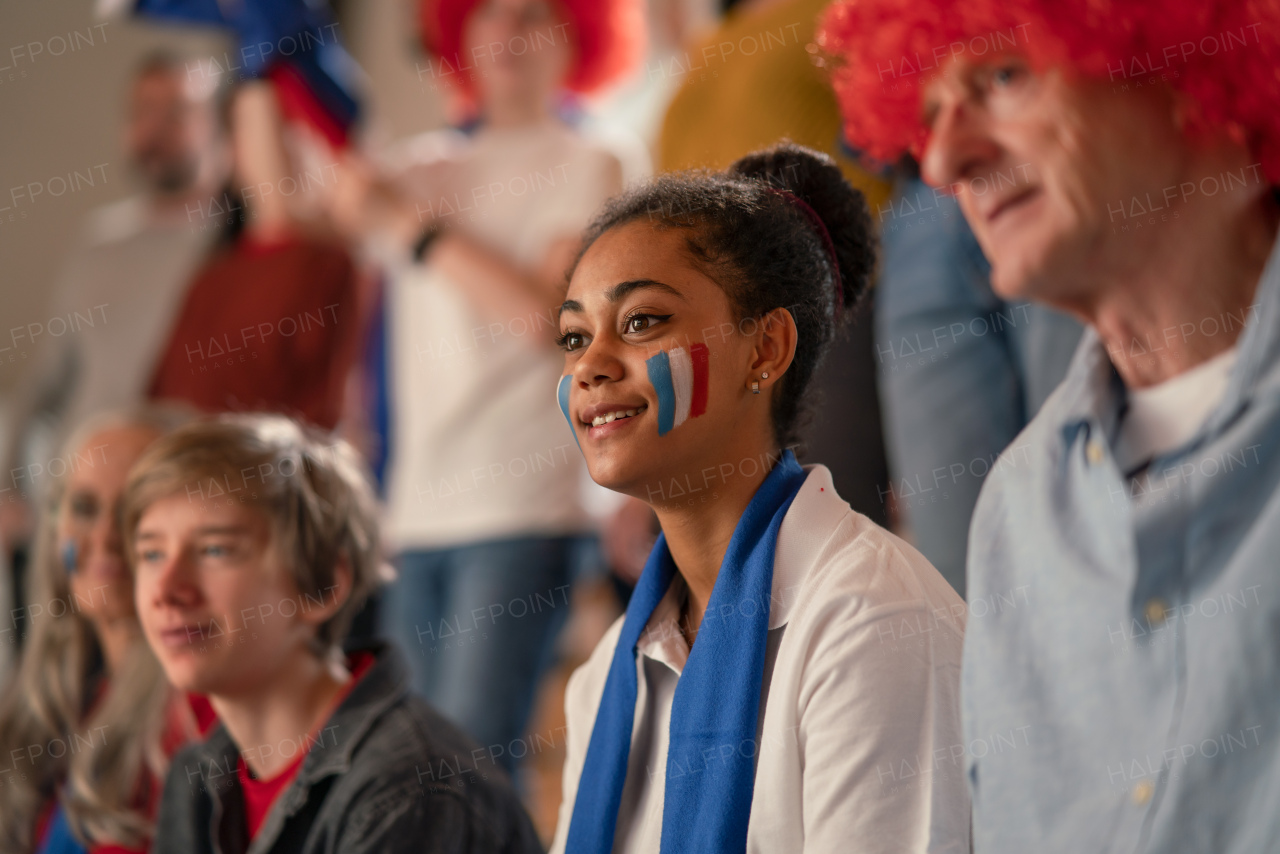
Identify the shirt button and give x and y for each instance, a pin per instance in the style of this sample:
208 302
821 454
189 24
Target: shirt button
1155 611
1094 452
1142 792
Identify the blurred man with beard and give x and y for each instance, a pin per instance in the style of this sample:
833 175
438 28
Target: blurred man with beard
121 282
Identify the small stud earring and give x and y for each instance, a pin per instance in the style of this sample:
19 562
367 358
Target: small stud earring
765 375
755 387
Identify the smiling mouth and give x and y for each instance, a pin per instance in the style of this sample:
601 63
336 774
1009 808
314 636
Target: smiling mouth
609 418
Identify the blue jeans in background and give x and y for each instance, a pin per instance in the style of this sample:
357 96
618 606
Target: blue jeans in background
478 626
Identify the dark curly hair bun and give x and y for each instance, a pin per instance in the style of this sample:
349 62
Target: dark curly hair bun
815 179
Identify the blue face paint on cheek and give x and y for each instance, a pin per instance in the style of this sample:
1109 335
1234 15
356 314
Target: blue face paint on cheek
70 556
562 397
659 369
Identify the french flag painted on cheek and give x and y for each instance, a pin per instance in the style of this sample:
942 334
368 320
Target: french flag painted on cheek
679 377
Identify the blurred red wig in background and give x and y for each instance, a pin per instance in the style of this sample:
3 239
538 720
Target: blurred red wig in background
1223 54
608 38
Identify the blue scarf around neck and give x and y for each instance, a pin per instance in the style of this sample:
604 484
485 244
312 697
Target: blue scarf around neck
711 758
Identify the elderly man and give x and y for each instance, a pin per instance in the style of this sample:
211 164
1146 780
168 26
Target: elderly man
1122 662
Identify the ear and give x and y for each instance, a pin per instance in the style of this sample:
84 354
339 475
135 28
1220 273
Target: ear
775 347
332 598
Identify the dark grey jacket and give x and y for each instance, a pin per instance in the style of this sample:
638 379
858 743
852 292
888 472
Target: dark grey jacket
387 774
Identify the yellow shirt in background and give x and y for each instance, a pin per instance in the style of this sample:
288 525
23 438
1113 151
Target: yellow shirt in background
750 84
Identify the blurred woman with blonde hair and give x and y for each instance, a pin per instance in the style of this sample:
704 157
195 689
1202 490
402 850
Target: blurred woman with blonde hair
88 720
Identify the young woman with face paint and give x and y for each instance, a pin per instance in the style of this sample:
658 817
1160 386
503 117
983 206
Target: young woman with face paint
786 675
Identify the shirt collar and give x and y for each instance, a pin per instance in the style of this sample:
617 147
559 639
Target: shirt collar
385 683
662 639
813 519
1258 346
1092 392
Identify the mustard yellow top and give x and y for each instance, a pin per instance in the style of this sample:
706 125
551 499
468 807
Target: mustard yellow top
751 83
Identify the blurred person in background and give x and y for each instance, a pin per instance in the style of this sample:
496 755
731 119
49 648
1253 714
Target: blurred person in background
272 318
750 83
277 313
89 721
476 228
1119 163
123 281
961 371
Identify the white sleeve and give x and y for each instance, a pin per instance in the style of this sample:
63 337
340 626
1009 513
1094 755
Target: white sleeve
573 759
581 702
880 736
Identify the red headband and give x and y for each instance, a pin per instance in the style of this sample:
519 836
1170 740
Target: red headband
820 227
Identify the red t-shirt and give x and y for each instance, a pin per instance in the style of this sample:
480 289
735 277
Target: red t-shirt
266 327
260 794
206 717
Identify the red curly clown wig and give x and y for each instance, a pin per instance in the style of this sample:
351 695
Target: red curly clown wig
1224 55
608 38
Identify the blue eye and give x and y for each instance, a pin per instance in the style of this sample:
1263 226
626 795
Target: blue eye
1005 76
149 555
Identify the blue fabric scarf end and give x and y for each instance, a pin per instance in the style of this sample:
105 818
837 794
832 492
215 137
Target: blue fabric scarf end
710 770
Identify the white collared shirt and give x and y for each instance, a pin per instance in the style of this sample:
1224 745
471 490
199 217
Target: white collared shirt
859 734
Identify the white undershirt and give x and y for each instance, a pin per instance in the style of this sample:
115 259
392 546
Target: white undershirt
1162 417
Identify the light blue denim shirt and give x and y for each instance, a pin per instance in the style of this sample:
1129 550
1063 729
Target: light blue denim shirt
1122 656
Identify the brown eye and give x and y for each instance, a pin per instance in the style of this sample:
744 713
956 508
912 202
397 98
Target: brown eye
83 506
570 341
643 322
